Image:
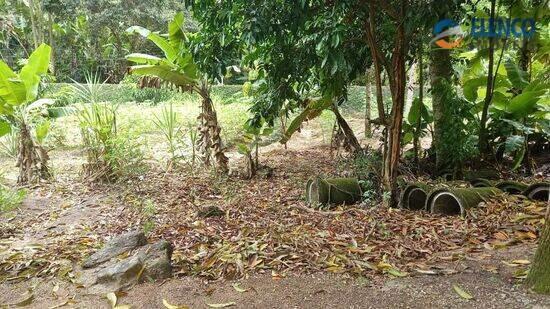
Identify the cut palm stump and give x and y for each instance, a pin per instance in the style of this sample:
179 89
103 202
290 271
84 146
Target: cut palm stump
414 196
539 191
455 201
333 191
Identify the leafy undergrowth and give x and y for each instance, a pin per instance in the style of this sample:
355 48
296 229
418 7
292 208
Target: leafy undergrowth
267 228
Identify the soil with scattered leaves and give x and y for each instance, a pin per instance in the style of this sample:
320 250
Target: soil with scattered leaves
282 253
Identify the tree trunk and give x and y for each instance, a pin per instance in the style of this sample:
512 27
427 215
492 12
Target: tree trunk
483 145
416 140
410 86
351 140
397 80
377 66
34 24
539 275
368 93
440 72
210 143
32 159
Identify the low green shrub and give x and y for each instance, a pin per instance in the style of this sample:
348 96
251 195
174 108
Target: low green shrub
11 199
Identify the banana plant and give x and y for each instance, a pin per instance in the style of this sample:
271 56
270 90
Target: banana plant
177 69
519 108
21 109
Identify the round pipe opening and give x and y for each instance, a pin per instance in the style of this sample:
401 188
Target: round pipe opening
540 194
417 199
446 203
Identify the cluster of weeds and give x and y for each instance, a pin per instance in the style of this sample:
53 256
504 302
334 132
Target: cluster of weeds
367 167
110 155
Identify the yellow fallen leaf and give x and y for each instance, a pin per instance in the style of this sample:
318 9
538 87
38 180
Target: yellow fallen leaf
238 288
111 297
169 306
462 293
394 272
522 262
222 305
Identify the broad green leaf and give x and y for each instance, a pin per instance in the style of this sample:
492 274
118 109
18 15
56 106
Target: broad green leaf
143 58
164 72
176 30
462 293
312 110
517 76
243 149
42 130
5 128
471 87
12 90
513 143
518 159
36 66
169 51
524 104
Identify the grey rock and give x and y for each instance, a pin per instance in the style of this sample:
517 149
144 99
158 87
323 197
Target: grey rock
157 259
116 246
148 263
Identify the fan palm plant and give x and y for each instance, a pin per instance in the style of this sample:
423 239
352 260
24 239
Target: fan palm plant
178 70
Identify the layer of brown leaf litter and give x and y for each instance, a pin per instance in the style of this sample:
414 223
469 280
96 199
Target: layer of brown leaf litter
268 228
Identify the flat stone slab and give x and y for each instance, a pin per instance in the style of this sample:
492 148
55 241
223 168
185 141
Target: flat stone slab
148 263
116 246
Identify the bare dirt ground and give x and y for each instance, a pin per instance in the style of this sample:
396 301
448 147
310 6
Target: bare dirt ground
267 251
488 280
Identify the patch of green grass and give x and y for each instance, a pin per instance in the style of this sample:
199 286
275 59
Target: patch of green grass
11 199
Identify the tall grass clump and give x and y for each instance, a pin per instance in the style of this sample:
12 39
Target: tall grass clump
110 155
167 123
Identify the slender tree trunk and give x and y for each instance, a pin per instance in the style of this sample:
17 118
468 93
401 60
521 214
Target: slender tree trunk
377 65
368 95
440 72
51 42
483 145
351 140
398 78
416 140
539 275
410 86
34 24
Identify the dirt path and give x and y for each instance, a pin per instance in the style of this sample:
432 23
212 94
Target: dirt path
489 290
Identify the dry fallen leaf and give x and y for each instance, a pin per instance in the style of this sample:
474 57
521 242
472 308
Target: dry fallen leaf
238 288
224 305
169 306
111 297
462 293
